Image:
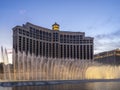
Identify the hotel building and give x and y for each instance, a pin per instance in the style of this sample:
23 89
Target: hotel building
108 57
53 43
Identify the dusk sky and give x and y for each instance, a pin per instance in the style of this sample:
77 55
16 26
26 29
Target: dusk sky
97 18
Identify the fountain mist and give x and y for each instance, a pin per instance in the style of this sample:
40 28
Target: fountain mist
31 67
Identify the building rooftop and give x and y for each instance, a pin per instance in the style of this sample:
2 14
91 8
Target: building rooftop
28 24
115 52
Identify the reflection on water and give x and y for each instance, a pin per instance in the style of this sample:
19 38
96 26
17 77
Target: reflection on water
5 88
80 86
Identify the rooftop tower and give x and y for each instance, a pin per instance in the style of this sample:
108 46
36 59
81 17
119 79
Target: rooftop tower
55 26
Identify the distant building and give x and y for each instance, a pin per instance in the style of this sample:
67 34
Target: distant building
53 43
108 57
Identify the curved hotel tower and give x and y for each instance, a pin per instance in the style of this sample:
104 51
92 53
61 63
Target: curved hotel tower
52 43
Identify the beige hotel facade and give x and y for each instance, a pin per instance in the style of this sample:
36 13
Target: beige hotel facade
52 43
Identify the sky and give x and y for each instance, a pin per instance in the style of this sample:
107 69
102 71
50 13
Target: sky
97 18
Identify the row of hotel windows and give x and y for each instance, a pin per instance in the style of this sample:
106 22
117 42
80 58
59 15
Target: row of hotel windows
39 32
55 50
63 38
46 34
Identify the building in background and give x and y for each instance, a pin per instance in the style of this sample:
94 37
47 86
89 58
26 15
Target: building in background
108 57
52 43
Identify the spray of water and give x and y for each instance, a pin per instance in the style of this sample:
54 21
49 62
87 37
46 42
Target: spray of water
31 67
103 72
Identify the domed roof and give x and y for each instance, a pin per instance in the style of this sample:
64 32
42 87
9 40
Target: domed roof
55 24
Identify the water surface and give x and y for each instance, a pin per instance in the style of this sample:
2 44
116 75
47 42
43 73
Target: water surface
77 86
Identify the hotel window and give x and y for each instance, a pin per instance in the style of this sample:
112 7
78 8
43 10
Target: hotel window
61 38
61 49
30 34
80 36
30 46
34 36
27 33
37 32
20 31
41 35
68 51
53 50
65 51
30 28
88 52
91 49
34 49
49 37
70 38
34 31
84 47
74 52
20 43
43 48
91 41
67 38
55 37
37 36
78 51
49 49
37 48
57 50
23 43
81 52
71 51
40 48
24 32
27 45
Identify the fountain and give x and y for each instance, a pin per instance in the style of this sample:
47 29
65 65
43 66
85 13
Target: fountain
27 67
30 67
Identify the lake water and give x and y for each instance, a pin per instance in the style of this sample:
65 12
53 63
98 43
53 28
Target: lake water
77 86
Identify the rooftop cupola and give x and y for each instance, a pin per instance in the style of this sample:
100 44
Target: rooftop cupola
55 26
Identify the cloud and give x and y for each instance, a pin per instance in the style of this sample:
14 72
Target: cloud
106 42
22 12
